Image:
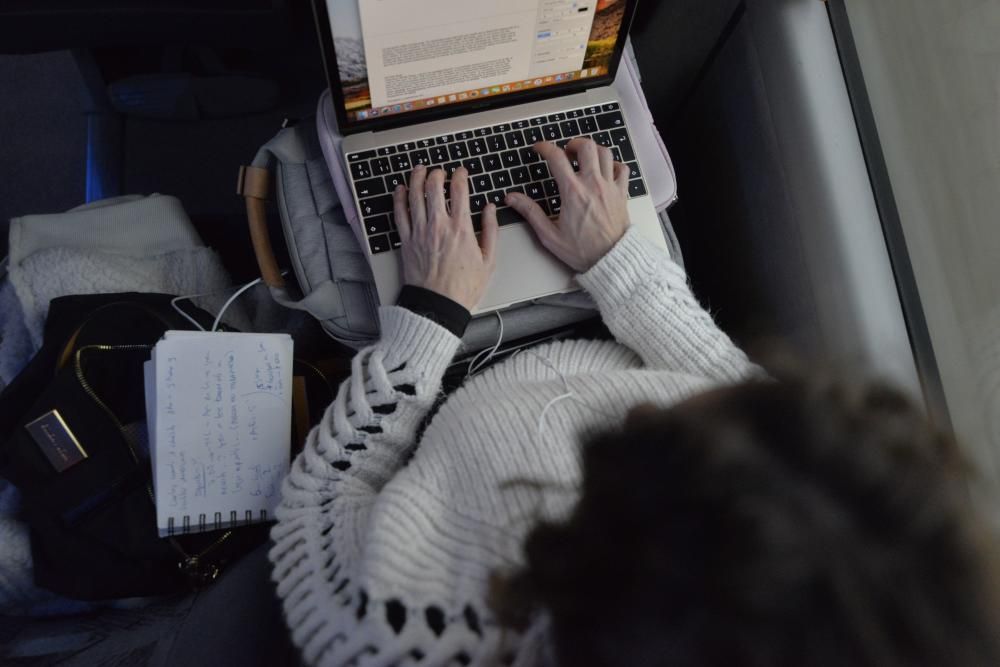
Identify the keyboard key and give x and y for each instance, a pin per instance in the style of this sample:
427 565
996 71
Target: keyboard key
439 154
501 180
477 222
425 143
483 131
633 170
379 244
528 155
392 181
521 125
498 198
621 140
535 190
361 170
376 206
501 128
557 117
492 163
569 128
636 188
592 111
510 159
575 164
458 151
508 216
477 203
551 133
538 122
602 139
363 155
444 139
387 150
520 176
451 168
551 187
420 157
544 205
381 166
481 183
395 241
533 135
463 136
610 121
588 125
617 154
496 143
474 165
406 148
477 147
539 171
562 143
377 225
516 188
515 139
400 162
370 187
575 113
555 205
610 106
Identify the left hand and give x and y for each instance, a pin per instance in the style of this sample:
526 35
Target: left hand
440 249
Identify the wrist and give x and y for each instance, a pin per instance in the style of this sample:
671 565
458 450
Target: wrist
436 307
609 245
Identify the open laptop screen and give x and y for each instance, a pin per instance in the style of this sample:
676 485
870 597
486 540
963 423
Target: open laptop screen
398 57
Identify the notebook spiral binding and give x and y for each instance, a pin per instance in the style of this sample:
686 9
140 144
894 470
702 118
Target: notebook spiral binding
187 526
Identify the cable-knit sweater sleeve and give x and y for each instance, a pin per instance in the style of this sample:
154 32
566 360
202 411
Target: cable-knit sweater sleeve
365 436
645 301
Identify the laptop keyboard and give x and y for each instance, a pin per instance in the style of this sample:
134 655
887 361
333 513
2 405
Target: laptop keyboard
499 159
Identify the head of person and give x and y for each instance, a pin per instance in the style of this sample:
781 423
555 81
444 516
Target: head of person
771 523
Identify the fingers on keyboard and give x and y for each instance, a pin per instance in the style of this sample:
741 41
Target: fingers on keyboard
499 159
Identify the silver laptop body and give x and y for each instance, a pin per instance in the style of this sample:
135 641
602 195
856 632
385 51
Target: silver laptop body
491 135
525 270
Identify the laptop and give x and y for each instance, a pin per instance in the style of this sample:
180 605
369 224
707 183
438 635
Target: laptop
476 83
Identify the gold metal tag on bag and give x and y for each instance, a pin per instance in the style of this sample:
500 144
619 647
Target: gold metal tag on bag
56 441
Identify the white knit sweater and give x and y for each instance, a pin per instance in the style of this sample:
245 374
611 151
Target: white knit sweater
383 548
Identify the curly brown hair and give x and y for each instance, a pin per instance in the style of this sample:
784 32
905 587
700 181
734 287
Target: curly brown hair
772 523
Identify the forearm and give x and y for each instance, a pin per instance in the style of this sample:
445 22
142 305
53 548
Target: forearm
365 436
645 301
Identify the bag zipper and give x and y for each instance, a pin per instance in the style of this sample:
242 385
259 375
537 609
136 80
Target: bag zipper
199 573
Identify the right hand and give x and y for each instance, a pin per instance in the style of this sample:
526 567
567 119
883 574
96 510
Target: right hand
594 214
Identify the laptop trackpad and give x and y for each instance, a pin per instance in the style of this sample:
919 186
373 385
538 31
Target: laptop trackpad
525 270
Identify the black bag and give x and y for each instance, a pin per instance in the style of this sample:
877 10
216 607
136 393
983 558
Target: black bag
93 525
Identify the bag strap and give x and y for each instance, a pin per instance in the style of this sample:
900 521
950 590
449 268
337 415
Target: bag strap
254 186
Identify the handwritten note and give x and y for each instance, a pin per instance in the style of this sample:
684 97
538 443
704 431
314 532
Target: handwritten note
220 422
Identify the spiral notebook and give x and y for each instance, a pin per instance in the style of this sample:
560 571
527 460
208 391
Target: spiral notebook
218 407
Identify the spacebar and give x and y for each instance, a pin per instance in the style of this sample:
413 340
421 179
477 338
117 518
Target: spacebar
508 216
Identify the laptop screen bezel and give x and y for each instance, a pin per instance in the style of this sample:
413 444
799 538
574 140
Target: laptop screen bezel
347 127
